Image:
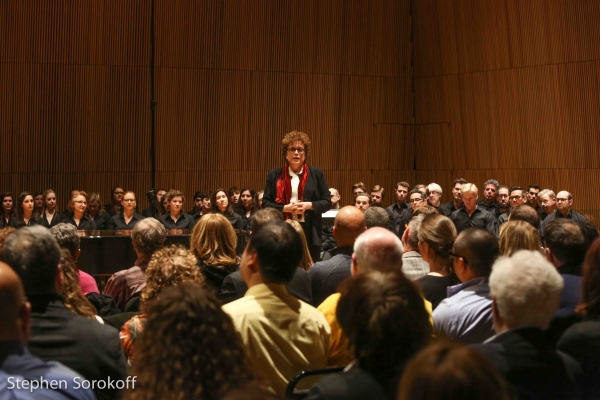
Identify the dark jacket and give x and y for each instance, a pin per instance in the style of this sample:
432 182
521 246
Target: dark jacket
82 344
234 287
214 275
315 191
325 276
355 384
57 218
85 223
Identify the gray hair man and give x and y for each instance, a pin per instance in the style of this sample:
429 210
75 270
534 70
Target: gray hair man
547 200
490 197
434 195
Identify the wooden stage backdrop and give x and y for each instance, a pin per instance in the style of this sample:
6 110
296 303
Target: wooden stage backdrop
388 90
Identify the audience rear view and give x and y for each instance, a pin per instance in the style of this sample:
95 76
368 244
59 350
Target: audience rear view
496 299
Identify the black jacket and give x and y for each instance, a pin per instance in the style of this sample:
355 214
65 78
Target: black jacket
315 191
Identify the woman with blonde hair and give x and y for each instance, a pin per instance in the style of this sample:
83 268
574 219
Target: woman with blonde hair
96 213
307 260
214 241
50 215
436 238
518 235
78 205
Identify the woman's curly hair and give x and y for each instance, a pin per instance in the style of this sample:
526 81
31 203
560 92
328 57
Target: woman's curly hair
167 267
294 137
189 349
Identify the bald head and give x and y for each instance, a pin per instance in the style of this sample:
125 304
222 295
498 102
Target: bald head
564 202
12 312
349 223
377 249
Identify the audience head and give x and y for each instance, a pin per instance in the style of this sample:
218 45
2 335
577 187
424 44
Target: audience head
306 262
67 238
189 348
233 195
503 195
490 190
349 223
384 317
434 194
49 198
377 216
175 199
147 236
525 213
451 371
564 202
169 266
474 252
416 199
526 291
410 238
519 235
8 204
274 252
4 232
295 139
205 203
565 242
516 197
25 205
469 195
78 202
362 202
264 216
377 195
334 195
532 195
34 254
220 203
247 199
71 290
402 189
15 311
377 249
117 195
590 287
214 241
458 184
436 237
547 200
357 188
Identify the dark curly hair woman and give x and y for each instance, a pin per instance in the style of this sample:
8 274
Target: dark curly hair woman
189 349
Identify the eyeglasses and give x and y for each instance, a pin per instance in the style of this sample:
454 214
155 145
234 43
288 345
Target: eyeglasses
415 200
454 255
561 199
129 200
81 202
293 150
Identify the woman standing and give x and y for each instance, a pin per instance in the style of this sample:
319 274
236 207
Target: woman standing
100 217
175 218
8 209
129 217
299 191
78 204
50 217
25 216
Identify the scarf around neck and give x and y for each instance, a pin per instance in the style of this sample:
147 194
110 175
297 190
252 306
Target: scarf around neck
283 192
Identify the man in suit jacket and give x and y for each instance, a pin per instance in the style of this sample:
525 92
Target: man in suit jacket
58 334
526 291
325 276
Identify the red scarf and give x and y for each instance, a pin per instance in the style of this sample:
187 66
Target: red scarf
283 190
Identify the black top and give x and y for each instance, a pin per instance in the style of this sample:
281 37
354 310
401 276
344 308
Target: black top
57 218
434 288
82 344
479 219
403 220
493 208
325 276
184 221
102 221
85 223
110 208
575 216
447 209
118 221
15 223
214 275
353 384
503 218
396 210
315 191
150 212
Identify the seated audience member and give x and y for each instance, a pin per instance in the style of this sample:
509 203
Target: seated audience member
233 194
25 215
169 266
466 314
456 203
147 237
156 209
307 260
358 188
129 217
175 218
377 196
383 315
519 235
197 210
258 199
566 246
436 236
67 238
266 313
325 276
490 197
8 209
526 293
186 327
71 291
416 200
413 265
564 209
472 215
221 204
246 206
78 205
434 195
451 371
234 286
213 242
377 216
525 213
58 334
114 207
547 200
97 214
50 215
582 340
362 202
15 359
